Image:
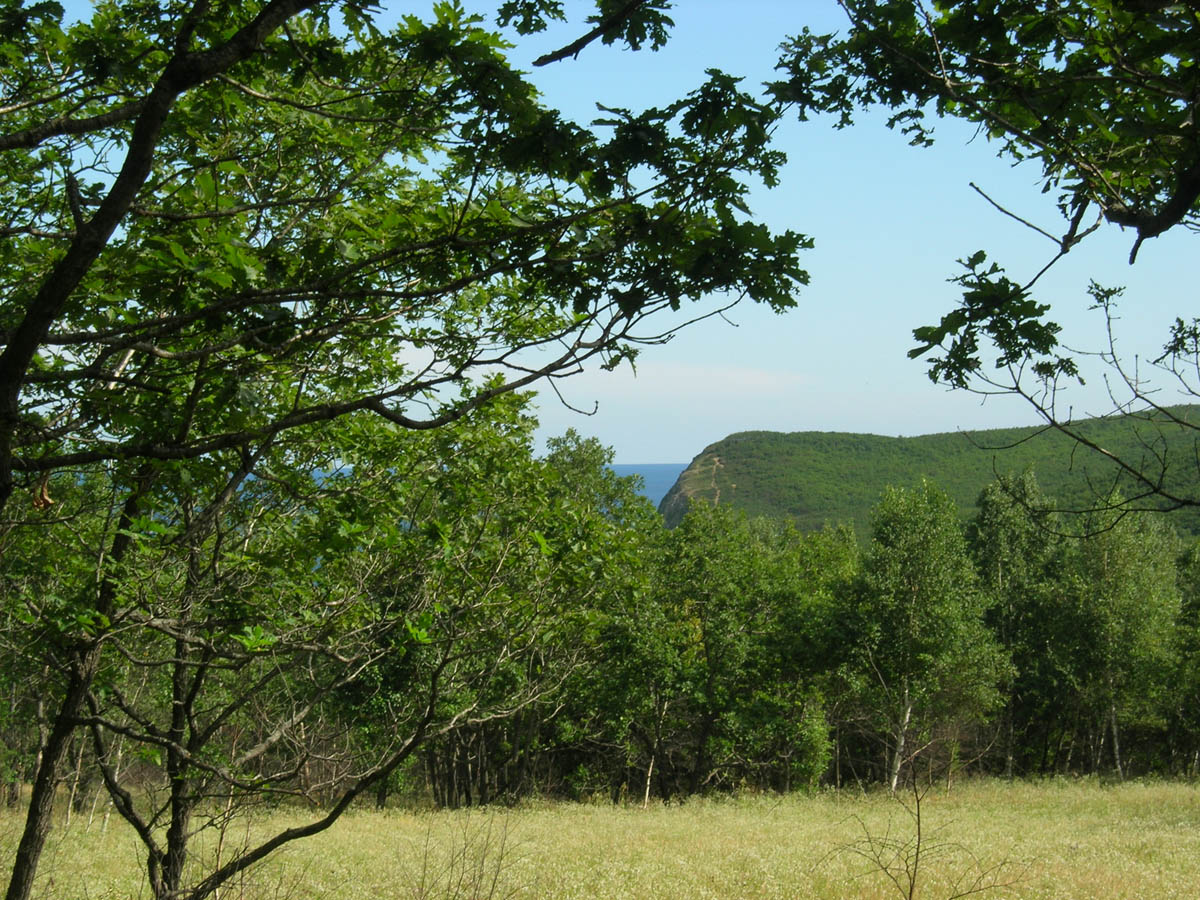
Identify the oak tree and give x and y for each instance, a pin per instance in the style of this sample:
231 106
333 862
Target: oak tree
227 226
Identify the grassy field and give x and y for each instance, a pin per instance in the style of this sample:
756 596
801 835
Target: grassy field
1047 840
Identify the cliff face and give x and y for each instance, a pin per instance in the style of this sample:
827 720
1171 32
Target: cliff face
698 480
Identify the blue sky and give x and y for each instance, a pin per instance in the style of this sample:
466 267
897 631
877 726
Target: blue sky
888 220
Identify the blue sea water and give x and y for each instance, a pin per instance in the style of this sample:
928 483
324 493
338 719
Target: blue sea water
657 477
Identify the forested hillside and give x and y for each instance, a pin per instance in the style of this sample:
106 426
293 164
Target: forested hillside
814 478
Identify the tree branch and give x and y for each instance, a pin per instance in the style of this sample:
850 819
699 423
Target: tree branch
183 72
573 48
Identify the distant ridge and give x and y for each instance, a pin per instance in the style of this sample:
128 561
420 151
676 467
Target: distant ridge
817 477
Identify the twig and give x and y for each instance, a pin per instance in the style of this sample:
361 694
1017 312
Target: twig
1013 215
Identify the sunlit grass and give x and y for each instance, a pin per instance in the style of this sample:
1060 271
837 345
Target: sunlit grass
1045 840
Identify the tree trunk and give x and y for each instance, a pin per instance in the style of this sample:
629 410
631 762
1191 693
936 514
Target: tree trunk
83 670
1070 752
73 797
1116 741
901 736
649 775
178 766
1098 752
837 758
700 766
41 801
1008 749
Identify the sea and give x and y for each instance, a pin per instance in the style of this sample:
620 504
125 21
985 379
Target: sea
657 478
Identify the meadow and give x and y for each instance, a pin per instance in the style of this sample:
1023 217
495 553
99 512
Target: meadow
1054 839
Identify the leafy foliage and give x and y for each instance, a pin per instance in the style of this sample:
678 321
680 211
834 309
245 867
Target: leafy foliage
921 653
1100 97
225 228
1098 93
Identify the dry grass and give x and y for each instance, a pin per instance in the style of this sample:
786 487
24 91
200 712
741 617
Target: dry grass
1051 840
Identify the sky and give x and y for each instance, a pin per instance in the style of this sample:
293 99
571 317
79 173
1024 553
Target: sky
889 222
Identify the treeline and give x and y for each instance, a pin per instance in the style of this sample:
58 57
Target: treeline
741 653
451 618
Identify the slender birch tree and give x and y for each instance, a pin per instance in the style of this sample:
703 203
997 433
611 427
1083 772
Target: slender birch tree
923 654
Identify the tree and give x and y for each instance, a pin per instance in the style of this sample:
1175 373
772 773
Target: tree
590 528
1125 584
1100 94
709 671
679 648
329 627
1015 542
225 228
784 717
1184 725
224 225
921 652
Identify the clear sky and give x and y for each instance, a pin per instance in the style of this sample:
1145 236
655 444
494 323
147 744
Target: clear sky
888 220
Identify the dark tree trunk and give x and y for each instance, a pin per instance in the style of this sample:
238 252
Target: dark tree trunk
83 668
41 802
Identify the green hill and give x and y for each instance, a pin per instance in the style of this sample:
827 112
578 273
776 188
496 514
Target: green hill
817 477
